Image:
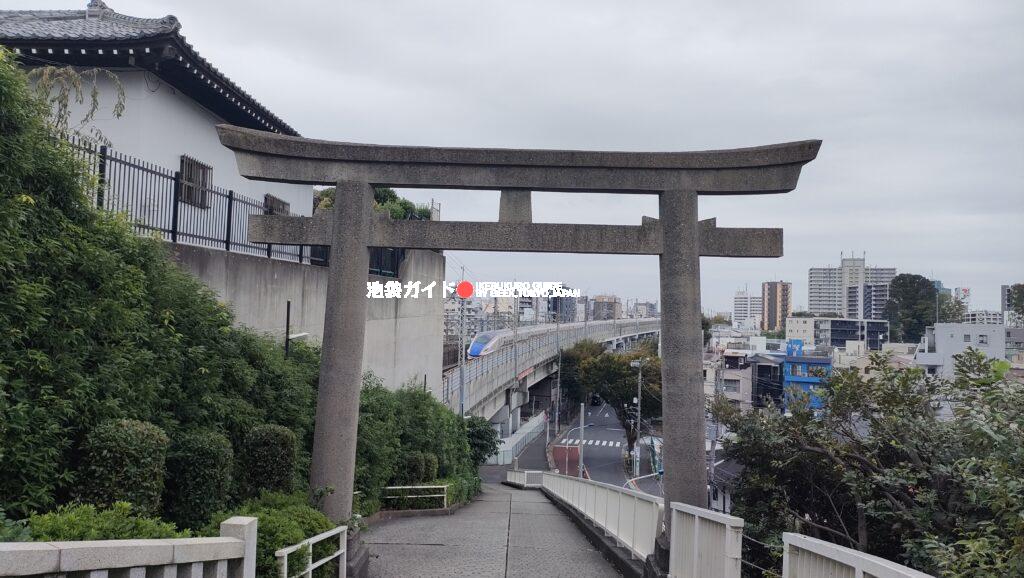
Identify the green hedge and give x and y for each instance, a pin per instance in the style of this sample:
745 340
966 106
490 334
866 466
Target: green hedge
88 522
268 459
199 468
124 462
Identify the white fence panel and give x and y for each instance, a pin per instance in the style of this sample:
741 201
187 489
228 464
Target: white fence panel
704 543
806 557
633 518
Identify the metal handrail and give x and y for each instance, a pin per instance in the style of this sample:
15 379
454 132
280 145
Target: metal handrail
340 554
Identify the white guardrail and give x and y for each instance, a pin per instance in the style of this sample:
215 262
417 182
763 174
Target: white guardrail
514 444
806 557
525 478
704 543
341 554
232 555
633 518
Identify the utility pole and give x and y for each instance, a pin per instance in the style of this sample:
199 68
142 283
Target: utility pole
558 378
638 364
582 429
462 351
719 370
639 416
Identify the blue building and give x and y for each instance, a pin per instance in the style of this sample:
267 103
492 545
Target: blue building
806 371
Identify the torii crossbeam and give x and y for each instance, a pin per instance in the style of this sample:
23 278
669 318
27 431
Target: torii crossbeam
676 237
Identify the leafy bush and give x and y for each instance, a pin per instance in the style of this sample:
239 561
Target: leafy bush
199 477
429 467
411 469
124 462
284 520
483 439
98 324
377 444
427 426
87 522
268 459
13 530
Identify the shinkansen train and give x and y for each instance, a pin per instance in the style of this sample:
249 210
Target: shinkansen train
487 342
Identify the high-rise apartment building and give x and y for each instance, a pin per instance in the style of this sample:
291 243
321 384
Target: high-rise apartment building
776 304
746 308
983 317
852 289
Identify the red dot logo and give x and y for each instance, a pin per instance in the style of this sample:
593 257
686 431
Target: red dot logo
464 289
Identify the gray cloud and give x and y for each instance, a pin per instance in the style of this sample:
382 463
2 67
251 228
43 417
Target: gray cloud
920 106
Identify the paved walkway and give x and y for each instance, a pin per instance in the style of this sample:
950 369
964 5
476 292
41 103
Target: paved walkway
504 533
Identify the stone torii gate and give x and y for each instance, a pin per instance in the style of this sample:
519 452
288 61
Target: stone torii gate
676 237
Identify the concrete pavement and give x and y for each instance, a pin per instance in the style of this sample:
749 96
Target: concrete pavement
504 533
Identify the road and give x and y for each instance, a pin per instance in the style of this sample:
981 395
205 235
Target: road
604 444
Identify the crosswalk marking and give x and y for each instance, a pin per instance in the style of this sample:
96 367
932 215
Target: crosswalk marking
602 443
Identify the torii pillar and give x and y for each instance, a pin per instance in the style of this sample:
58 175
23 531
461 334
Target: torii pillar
677 238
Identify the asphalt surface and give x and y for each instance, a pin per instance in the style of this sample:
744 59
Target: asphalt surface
603 448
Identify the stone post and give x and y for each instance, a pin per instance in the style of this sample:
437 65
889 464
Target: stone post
682 342
515 206
341 362
242 528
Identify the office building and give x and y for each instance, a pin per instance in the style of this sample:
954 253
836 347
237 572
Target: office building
746 309
606 307
776 304
851 289
562 309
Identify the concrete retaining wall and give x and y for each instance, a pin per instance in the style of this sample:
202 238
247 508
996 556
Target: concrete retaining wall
403 336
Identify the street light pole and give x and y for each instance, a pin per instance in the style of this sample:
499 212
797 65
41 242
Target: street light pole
582 409
566 439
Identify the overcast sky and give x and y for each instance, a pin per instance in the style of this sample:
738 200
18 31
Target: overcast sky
920 106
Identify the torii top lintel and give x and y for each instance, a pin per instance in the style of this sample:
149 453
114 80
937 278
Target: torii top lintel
758 170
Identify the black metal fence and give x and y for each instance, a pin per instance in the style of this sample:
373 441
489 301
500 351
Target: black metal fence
158 199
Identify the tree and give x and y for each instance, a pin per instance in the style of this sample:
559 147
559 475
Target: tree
483 439
611 376
911 307
779 334
951 309
1017 299
573 389
879 469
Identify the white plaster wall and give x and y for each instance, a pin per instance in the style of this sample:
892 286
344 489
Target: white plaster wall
403 336
160 124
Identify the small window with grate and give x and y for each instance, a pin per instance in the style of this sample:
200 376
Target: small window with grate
196 180
276 206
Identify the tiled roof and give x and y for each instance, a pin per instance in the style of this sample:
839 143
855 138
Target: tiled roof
92 24
98 25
